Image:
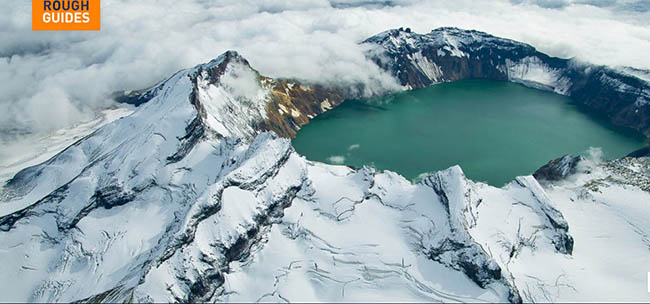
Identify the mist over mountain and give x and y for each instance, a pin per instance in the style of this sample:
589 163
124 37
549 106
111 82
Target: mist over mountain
52 80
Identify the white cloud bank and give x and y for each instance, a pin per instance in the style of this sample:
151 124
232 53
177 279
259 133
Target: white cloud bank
50 80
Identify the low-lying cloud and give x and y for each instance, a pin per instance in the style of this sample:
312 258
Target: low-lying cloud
336 159
50 80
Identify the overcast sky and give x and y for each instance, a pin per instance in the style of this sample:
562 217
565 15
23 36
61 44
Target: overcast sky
50 80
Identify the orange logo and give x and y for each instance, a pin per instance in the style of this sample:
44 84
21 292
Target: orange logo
66 15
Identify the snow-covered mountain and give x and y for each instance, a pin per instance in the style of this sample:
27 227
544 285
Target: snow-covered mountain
278 105
621 95
199 196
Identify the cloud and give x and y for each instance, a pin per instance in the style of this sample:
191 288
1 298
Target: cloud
545 3
592 158
353 147
242 83
50 80
336 159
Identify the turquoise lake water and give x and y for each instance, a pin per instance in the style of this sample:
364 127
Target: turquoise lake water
493 130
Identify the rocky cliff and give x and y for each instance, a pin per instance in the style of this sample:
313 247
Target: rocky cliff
620 95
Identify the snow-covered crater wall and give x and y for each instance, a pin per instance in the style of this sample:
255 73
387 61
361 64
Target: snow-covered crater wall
622 95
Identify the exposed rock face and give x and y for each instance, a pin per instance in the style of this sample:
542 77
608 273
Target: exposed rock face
449 54
643 152
558 168
293 105
634 171
444 55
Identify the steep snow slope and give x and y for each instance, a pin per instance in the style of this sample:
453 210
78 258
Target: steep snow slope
607 207
189 199
18 154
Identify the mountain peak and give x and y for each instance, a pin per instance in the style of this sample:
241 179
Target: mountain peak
216 67
226 57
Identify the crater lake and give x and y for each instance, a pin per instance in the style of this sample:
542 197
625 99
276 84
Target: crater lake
494 130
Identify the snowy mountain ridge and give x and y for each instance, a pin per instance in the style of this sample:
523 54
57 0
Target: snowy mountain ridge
187 199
